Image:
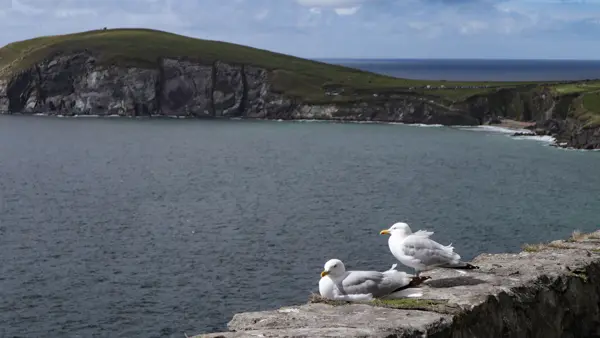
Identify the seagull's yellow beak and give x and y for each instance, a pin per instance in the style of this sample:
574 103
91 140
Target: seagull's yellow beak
384 232
324 273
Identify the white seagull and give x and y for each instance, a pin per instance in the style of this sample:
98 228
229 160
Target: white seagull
418 251
338 284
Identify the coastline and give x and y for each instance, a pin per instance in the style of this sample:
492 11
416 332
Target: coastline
514 124
515 129
147 81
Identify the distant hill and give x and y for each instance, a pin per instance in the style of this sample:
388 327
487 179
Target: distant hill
149 72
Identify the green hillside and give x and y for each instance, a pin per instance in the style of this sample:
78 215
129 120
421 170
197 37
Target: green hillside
142 47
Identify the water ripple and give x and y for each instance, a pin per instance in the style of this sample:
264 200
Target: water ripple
152 228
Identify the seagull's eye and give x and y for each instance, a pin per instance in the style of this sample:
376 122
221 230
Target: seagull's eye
335 265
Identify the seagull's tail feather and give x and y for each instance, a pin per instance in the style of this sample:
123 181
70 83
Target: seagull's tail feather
410 290
452 256
393 268
407 293
414 282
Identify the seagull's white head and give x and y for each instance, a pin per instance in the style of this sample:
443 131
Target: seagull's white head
333 268
400 228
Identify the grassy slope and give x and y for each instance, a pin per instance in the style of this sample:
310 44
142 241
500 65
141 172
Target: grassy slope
587 106
141 47
292 76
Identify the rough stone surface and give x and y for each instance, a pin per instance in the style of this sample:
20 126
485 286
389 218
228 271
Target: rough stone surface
572 134
185 88
70 85
75 84
551 291
526 105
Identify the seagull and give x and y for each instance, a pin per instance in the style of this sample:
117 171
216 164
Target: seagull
338 284
418 251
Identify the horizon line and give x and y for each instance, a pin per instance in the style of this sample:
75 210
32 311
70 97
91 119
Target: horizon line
449 58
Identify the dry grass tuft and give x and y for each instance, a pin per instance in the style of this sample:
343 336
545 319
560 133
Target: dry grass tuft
578 236
558 245
534 247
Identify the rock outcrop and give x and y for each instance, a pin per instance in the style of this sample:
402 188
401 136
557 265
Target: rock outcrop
75 84
523 104
571 133
547 291
582 137
550 113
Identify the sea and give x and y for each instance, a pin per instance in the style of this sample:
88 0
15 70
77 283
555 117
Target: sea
149 227
478 69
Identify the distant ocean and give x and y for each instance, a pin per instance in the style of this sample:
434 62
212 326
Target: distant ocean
478 70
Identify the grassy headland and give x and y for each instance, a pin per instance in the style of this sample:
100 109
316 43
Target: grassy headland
291 75
310 81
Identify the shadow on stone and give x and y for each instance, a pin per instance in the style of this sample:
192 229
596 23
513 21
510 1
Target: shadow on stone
454 281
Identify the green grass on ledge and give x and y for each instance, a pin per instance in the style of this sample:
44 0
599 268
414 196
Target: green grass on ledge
290 75
591 104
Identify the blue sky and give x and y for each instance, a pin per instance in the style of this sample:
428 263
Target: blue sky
557 29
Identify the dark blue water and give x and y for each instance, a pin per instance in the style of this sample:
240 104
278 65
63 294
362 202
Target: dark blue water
478 70
152 228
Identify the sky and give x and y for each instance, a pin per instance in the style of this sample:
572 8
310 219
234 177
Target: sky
524 29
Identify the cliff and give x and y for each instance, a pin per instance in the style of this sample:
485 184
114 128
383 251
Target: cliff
140 72
573 118
75 84
546 291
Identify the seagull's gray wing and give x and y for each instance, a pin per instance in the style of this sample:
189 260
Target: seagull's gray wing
429 252
376 283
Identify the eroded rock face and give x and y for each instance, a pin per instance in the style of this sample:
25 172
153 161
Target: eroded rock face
570 133
185 88
552 291
257 92
574 135
526 105
229 90
76 85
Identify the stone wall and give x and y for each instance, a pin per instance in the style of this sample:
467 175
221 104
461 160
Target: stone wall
547 291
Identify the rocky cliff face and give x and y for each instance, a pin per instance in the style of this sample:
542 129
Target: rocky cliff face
521 105
571 133
76 85
550 113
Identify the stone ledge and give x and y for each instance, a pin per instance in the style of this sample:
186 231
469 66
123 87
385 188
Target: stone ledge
546 292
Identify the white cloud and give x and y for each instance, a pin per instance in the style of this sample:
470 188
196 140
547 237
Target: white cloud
75 12
347 11
261 15
473 27
331 3
334 28
25 8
